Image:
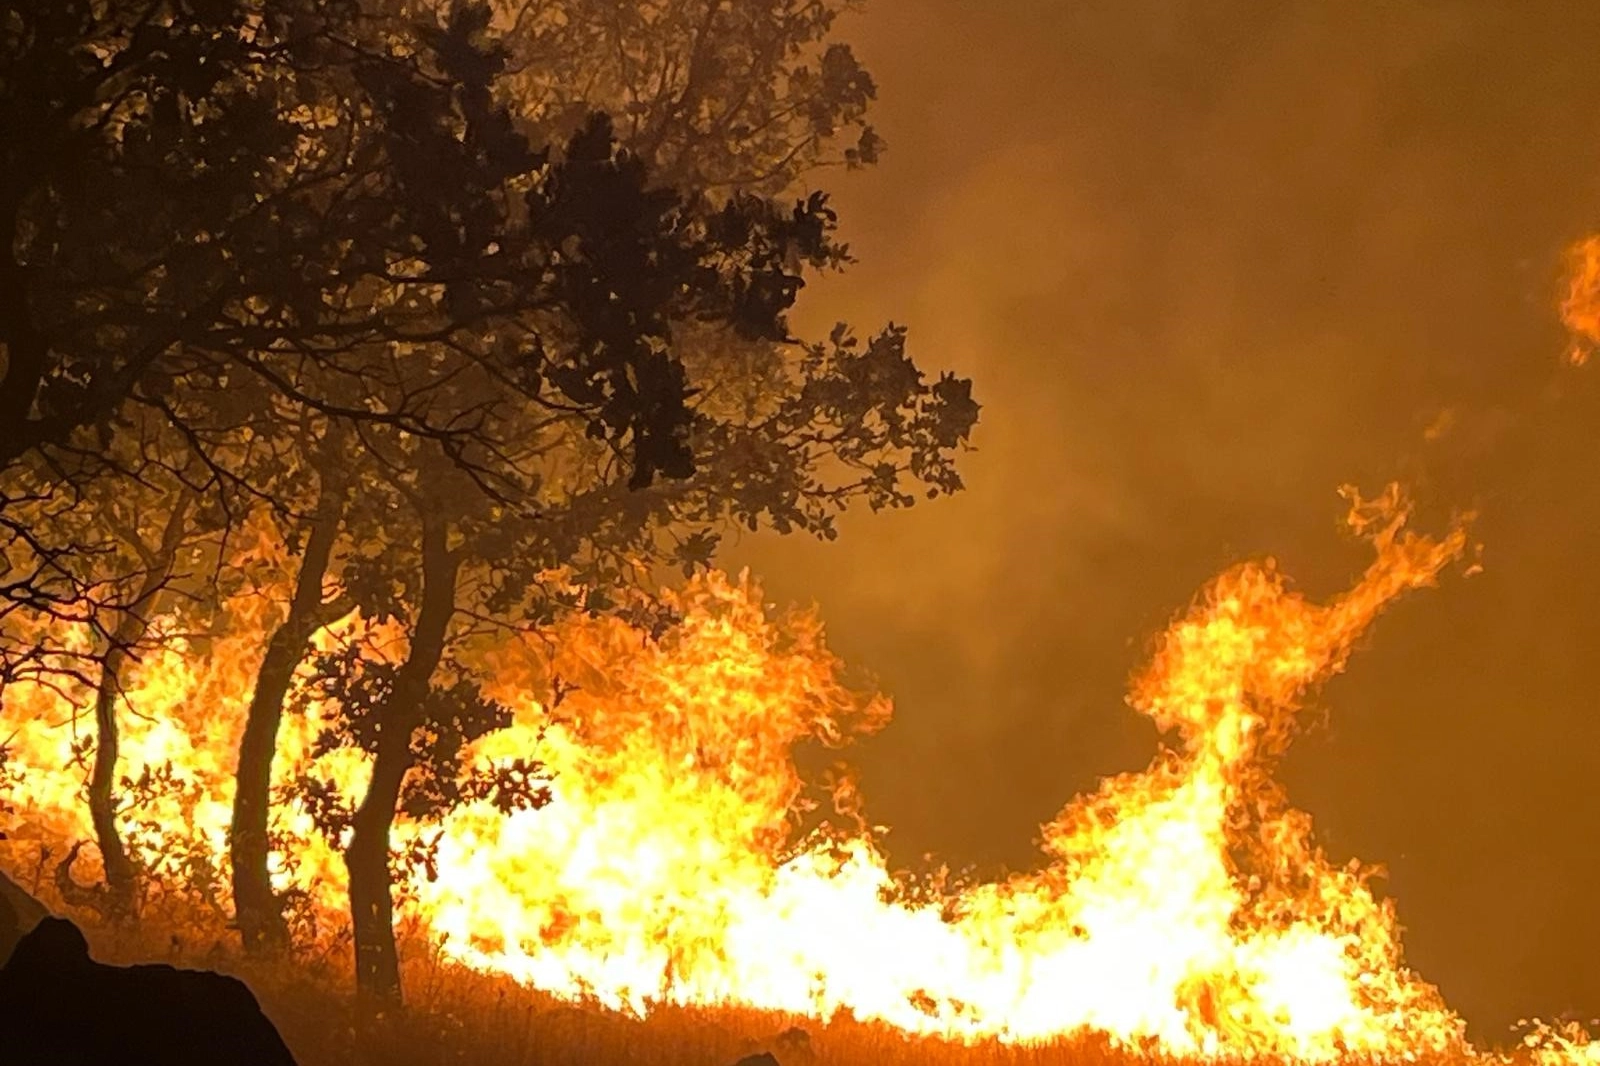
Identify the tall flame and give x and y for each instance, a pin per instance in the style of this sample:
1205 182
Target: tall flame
1184 907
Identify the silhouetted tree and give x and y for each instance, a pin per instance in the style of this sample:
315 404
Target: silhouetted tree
180 206
715 95
132 536
212 211
668 401
781 98
387 269
258 913
156 561
614 477
181 181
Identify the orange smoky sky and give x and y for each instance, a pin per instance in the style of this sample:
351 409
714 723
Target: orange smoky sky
1207 261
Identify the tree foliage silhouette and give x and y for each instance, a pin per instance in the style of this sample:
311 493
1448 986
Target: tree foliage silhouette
484 306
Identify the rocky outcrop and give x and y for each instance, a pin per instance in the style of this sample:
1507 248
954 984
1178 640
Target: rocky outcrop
60 1007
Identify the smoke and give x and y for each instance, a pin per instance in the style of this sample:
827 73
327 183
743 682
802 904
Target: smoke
1207 261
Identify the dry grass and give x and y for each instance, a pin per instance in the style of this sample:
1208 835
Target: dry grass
457 1016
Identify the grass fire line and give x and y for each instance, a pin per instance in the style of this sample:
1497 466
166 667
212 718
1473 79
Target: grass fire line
1184 909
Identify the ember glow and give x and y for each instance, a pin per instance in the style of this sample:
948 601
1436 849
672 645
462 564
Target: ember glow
1184 907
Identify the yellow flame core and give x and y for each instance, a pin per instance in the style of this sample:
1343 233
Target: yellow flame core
1184 908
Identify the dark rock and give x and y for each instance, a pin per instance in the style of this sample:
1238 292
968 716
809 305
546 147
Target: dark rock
19 912
60 1007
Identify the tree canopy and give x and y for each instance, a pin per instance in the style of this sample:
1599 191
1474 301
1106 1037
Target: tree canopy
481 308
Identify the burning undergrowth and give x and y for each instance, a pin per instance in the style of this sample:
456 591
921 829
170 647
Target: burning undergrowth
631 826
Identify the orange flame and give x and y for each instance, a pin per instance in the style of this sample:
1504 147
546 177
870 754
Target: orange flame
1185 907
1580 308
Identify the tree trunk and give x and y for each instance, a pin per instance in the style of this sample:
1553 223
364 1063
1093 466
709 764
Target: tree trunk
367 857
121 878
119 873
257 909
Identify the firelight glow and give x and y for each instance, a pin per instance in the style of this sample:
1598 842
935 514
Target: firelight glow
1185 907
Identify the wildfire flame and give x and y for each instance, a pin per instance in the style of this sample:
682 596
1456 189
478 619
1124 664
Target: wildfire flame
1185 907
1580 307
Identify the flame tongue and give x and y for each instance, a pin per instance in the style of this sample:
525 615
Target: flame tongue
1184 907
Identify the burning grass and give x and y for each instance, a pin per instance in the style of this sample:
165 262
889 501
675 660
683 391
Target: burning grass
679 872
461 1015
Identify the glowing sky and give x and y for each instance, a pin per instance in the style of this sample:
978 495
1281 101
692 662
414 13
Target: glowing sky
1207 261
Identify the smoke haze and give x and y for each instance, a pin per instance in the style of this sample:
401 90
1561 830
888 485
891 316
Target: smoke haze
1207 261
